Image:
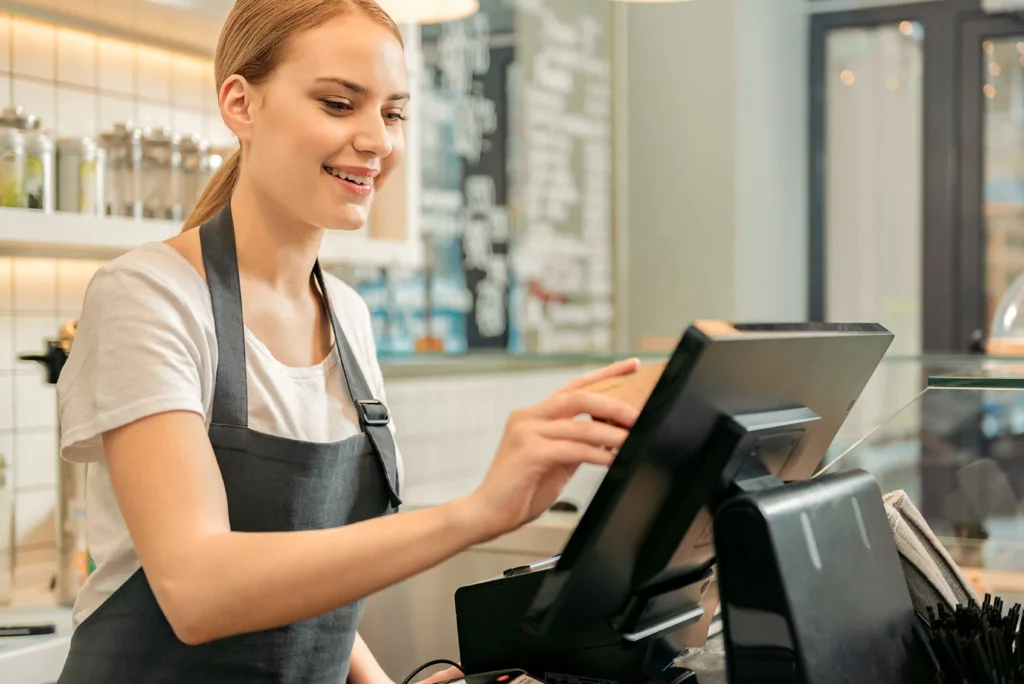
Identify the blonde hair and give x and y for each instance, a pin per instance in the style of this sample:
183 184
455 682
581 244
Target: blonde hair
250 45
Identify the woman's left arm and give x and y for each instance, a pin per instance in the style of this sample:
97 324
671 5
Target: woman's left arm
363 667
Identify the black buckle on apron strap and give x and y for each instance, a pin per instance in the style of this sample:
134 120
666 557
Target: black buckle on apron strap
374 416
373 413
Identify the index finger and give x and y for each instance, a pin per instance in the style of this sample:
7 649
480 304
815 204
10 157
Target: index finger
614 370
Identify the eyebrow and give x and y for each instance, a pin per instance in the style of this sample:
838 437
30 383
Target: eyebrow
360 89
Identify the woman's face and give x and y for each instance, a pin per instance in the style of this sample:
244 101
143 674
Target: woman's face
324 132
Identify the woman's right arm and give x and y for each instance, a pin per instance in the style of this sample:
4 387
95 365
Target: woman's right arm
212 582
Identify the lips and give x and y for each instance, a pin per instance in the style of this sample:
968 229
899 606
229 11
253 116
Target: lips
349 176
358 184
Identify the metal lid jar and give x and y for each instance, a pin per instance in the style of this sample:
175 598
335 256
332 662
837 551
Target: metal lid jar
195 165
12 168
40 158
81 176
123 146
161 174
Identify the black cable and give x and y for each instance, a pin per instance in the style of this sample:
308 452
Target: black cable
440 661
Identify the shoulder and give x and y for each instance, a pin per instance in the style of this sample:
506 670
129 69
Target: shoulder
150 300
152 267
144 344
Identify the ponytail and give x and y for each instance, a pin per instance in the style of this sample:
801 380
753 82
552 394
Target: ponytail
217 192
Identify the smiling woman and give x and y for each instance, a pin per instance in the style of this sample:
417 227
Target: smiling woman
244 475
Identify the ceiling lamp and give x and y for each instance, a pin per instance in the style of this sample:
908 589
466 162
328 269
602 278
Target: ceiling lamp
429 11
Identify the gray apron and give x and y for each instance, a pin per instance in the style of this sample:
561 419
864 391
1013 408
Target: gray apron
273 484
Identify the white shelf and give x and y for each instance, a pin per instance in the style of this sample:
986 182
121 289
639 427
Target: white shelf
26 232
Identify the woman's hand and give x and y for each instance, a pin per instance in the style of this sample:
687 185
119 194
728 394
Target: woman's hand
545 444
443 676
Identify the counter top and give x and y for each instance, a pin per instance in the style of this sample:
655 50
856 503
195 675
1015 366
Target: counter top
34 659
414 365
400 366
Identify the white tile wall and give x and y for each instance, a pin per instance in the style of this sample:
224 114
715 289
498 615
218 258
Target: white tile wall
37 97
115 109
6 405
188 82
80 83
6 284
35 285
76 58
34 48
449 430
153 115
35 463
7 354
188 123
5 42
153 75
36 405
73 277
33 518
77 111
117 66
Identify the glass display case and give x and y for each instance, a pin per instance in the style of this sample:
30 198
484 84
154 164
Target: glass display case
955 445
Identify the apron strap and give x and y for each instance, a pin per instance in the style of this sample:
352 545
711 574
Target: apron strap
230 396
220 258
373 414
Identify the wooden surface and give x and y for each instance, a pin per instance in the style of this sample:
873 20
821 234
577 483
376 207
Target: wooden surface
634 388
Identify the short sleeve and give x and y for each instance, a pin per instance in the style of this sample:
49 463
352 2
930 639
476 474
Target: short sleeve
137 352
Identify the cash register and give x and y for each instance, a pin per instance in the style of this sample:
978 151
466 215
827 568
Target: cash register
713 501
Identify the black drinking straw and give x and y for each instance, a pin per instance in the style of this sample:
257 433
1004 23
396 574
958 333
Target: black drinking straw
974 644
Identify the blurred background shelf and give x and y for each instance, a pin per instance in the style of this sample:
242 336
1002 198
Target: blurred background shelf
25 232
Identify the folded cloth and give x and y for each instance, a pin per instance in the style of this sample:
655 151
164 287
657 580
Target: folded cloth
932 576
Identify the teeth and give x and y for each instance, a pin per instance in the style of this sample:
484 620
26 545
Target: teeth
358 180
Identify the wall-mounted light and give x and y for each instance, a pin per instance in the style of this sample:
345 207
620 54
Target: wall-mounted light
429 11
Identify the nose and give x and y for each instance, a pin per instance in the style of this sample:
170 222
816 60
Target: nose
372 135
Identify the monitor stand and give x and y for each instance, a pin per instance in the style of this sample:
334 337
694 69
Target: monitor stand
808 575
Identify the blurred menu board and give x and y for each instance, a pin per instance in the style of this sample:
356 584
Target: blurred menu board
515 116
475 70
562 240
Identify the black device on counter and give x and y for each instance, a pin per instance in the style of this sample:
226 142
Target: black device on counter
711 493
498 677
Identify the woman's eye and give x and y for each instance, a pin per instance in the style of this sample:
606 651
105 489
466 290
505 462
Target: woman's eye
337 106
396 117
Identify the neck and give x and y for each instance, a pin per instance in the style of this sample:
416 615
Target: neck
273 246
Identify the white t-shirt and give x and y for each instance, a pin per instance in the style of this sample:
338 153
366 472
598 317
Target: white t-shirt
146 344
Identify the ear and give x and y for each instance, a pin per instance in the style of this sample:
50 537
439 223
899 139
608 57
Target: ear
236 105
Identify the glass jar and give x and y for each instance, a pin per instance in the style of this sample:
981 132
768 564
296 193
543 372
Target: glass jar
6 531
40 158
81 173
195 165
123 185
161 174
12 168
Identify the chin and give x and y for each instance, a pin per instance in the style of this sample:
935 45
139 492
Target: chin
346 220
